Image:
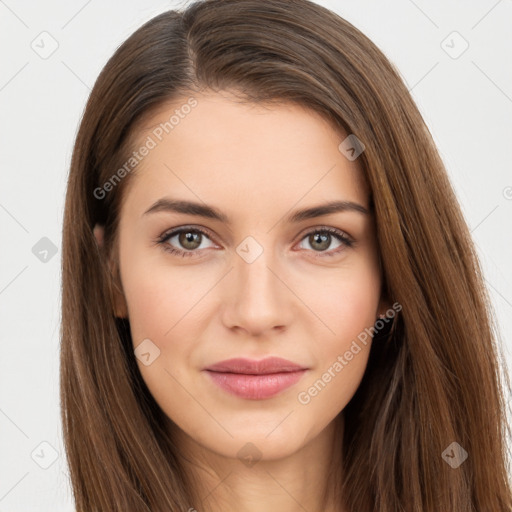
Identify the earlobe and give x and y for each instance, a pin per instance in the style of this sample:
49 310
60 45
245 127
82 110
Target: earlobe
98 232
384 305
120 307
118 298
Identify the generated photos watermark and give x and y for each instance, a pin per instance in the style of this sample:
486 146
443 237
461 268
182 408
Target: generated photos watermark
150 143
304 397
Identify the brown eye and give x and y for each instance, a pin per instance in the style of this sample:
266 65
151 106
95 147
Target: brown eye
321 239
188 241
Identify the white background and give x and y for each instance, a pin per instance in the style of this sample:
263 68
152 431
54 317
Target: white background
466 102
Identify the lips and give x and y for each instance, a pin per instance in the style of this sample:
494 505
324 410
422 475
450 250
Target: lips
255 380
254 367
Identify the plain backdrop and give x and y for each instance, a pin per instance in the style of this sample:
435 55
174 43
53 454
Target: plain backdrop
454 56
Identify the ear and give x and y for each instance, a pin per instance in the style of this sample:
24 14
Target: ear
384 305
98 234
115 285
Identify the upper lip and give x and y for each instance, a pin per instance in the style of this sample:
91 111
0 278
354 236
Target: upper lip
255 367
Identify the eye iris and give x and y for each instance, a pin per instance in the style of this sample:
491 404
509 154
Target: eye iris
323 238
187 237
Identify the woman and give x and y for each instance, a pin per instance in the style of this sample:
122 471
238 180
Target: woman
270 296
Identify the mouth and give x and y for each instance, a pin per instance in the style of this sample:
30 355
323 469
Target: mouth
255 380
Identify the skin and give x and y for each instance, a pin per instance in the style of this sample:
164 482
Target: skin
256 165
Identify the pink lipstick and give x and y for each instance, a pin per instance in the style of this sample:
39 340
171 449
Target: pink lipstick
255 380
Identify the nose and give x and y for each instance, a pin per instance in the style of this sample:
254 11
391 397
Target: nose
259 300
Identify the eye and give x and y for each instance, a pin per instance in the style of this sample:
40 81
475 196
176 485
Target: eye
189 238
320 239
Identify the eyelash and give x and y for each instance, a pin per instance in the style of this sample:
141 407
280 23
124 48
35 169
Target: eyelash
342 237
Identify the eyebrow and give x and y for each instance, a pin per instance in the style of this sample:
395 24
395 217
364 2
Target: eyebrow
166 204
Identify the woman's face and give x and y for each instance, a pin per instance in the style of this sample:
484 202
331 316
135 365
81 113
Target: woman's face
259 279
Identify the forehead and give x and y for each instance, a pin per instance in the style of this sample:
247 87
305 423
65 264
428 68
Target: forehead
247 155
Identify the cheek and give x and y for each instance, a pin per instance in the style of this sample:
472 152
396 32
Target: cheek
150 306
347 306
342 355
163 307
160 298
347 302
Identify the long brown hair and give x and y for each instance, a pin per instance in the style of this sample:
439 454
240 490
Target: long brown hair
434 380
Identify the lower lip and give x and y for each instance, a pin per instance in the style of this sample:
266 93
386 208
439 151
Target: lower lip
255 387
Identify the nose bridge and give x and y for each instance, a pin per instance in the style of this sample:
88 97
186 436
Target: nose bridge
260 296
